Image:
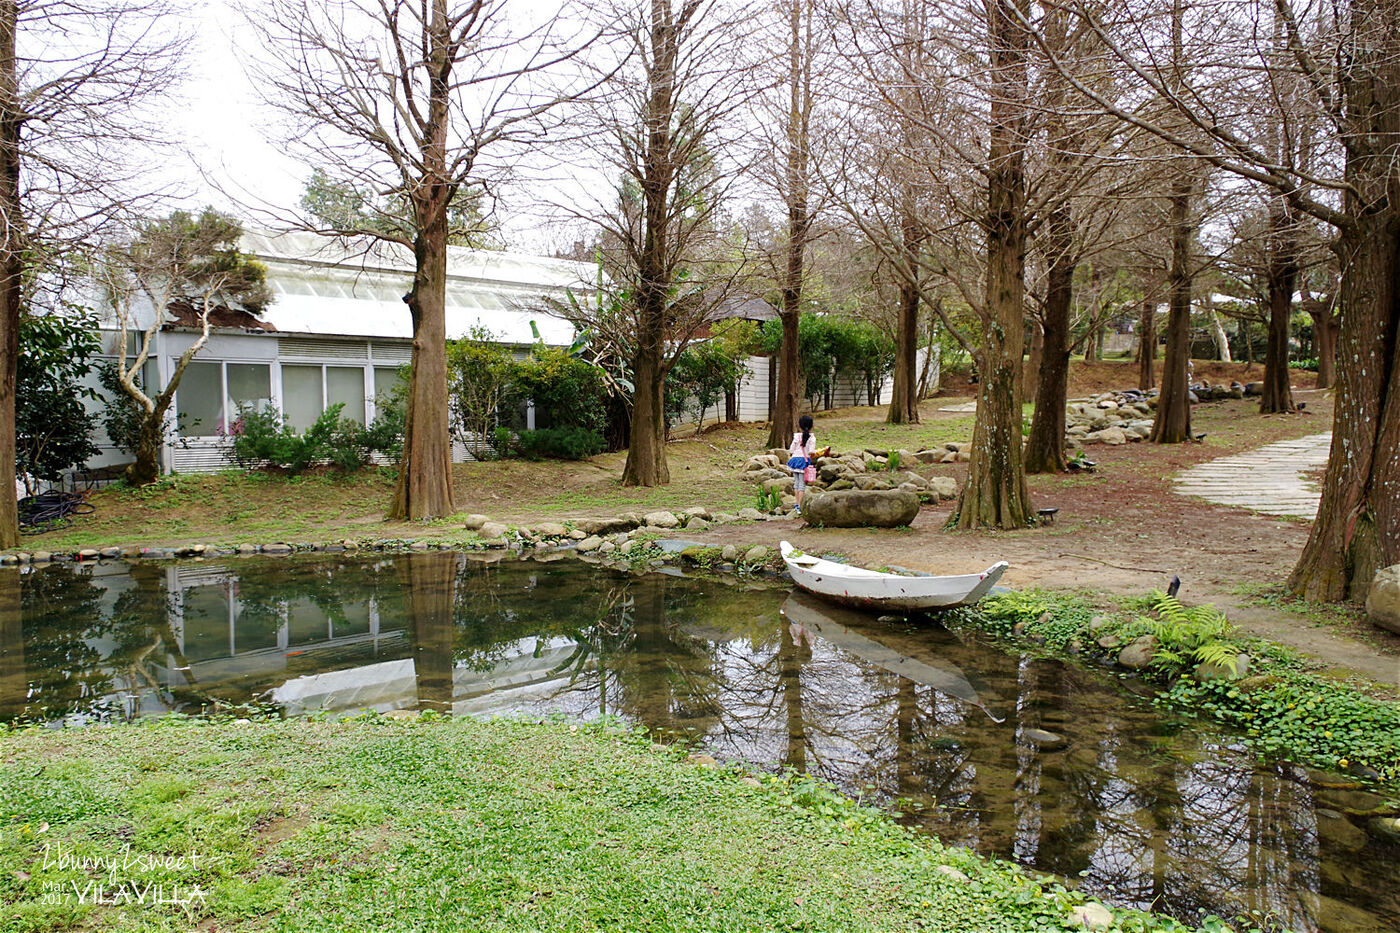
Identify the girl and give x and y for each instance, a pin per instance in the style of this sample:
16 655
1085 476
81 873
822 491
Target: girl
803 463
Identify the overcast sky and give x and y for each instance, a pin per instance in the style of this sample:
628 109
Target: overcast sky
232 162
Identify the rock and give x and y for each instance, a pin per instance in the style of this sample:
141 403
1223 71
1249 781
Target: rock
418 546
841 484
697 524
626 547
1042 738
1383 599
1091 917
604 526
1097 623
278 548
945 486
42 557
873 481
493 530
550 530
108 552
590 544
729 553
948 871
1386 828
1111 436
859 508
698 511
607 547
1351 800
1337 831
1223 672
88 553
1254 389
750 514
704 761
756 554
661 520
964 456
247 549
475 521
1138 655
723 518
783 485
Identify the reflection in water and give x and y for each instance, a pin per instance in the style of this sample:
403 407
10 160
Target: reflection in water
1143 810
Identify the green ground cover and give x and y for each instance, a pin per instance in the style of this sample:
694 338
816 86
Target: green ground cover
386 825
1281 707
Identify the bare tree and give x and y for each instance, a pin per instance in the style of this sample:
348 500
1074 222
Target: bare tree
75 79
179 263
406 100
1348 56
666 128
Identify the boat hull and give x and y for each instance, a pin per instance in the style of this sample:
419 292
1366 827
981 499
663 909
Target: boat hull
868 589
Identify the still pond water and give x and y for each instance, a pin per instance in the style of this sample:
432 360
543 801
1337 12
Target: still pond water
1141 808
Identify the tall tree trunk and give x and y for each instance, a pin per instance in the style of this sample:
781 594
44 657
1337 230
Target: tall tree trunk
1357 529
786 390
784 418
424 488
1282 276
1325 326
996 495
1091 342
646 455
1045 452
145 468
904 400
1034 357
1222 340
12 251
1147 344
1172 424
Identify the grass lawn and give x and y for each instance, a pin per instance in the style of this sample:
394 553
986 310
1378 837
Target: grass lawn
386 825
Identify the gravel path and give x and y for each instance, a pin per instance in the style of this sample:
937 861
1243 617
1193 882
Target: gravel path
1269 479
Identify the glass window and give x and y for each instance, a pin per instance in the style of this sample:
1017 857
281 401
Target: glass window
386 381
347 384
301 395
250 386
200 400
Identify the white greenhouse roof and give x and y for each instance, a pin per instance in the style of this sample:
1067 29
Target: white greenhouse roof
321 286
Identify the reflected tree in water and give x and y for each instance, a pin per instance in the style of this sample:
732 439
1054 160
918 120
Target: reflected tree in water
430 595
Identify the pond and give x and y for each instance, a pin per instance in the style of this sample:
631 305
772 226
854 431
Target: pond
1136 806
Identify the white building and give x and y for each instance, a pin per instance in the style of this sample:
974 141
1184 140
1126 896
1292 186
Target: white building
337 331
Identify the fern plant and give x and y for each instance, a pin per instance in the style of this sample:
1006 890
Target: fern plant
1191 635
892 461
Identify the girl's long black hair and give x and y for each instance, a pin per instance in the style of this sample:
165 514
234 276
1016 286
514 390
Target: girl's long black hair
805 423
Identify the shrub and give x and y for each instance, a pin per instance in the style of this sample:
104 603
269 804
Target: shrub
53 429
481 373
567 392
570 443
262 438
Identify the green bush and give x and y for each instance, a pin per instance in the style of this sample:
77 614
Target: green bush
571 443
567 392
262 438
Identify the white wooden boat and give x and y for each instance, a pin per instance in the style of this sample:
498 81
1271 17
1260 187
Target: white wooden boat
872 589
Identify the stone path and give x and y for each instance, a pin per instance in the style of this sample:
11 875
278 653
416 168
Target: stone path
1267 480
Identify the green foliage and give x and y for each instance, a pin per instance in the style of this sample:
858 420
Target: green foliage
567 443
835 346
122 416
567 392
480 375
1187 636
341 205
700 378
53 428
1284 711
194 257
261 438
892 461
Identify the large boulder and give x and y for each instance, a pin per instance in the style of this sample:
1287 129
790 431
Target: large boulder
661 520
945 486
1383 599
857 508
